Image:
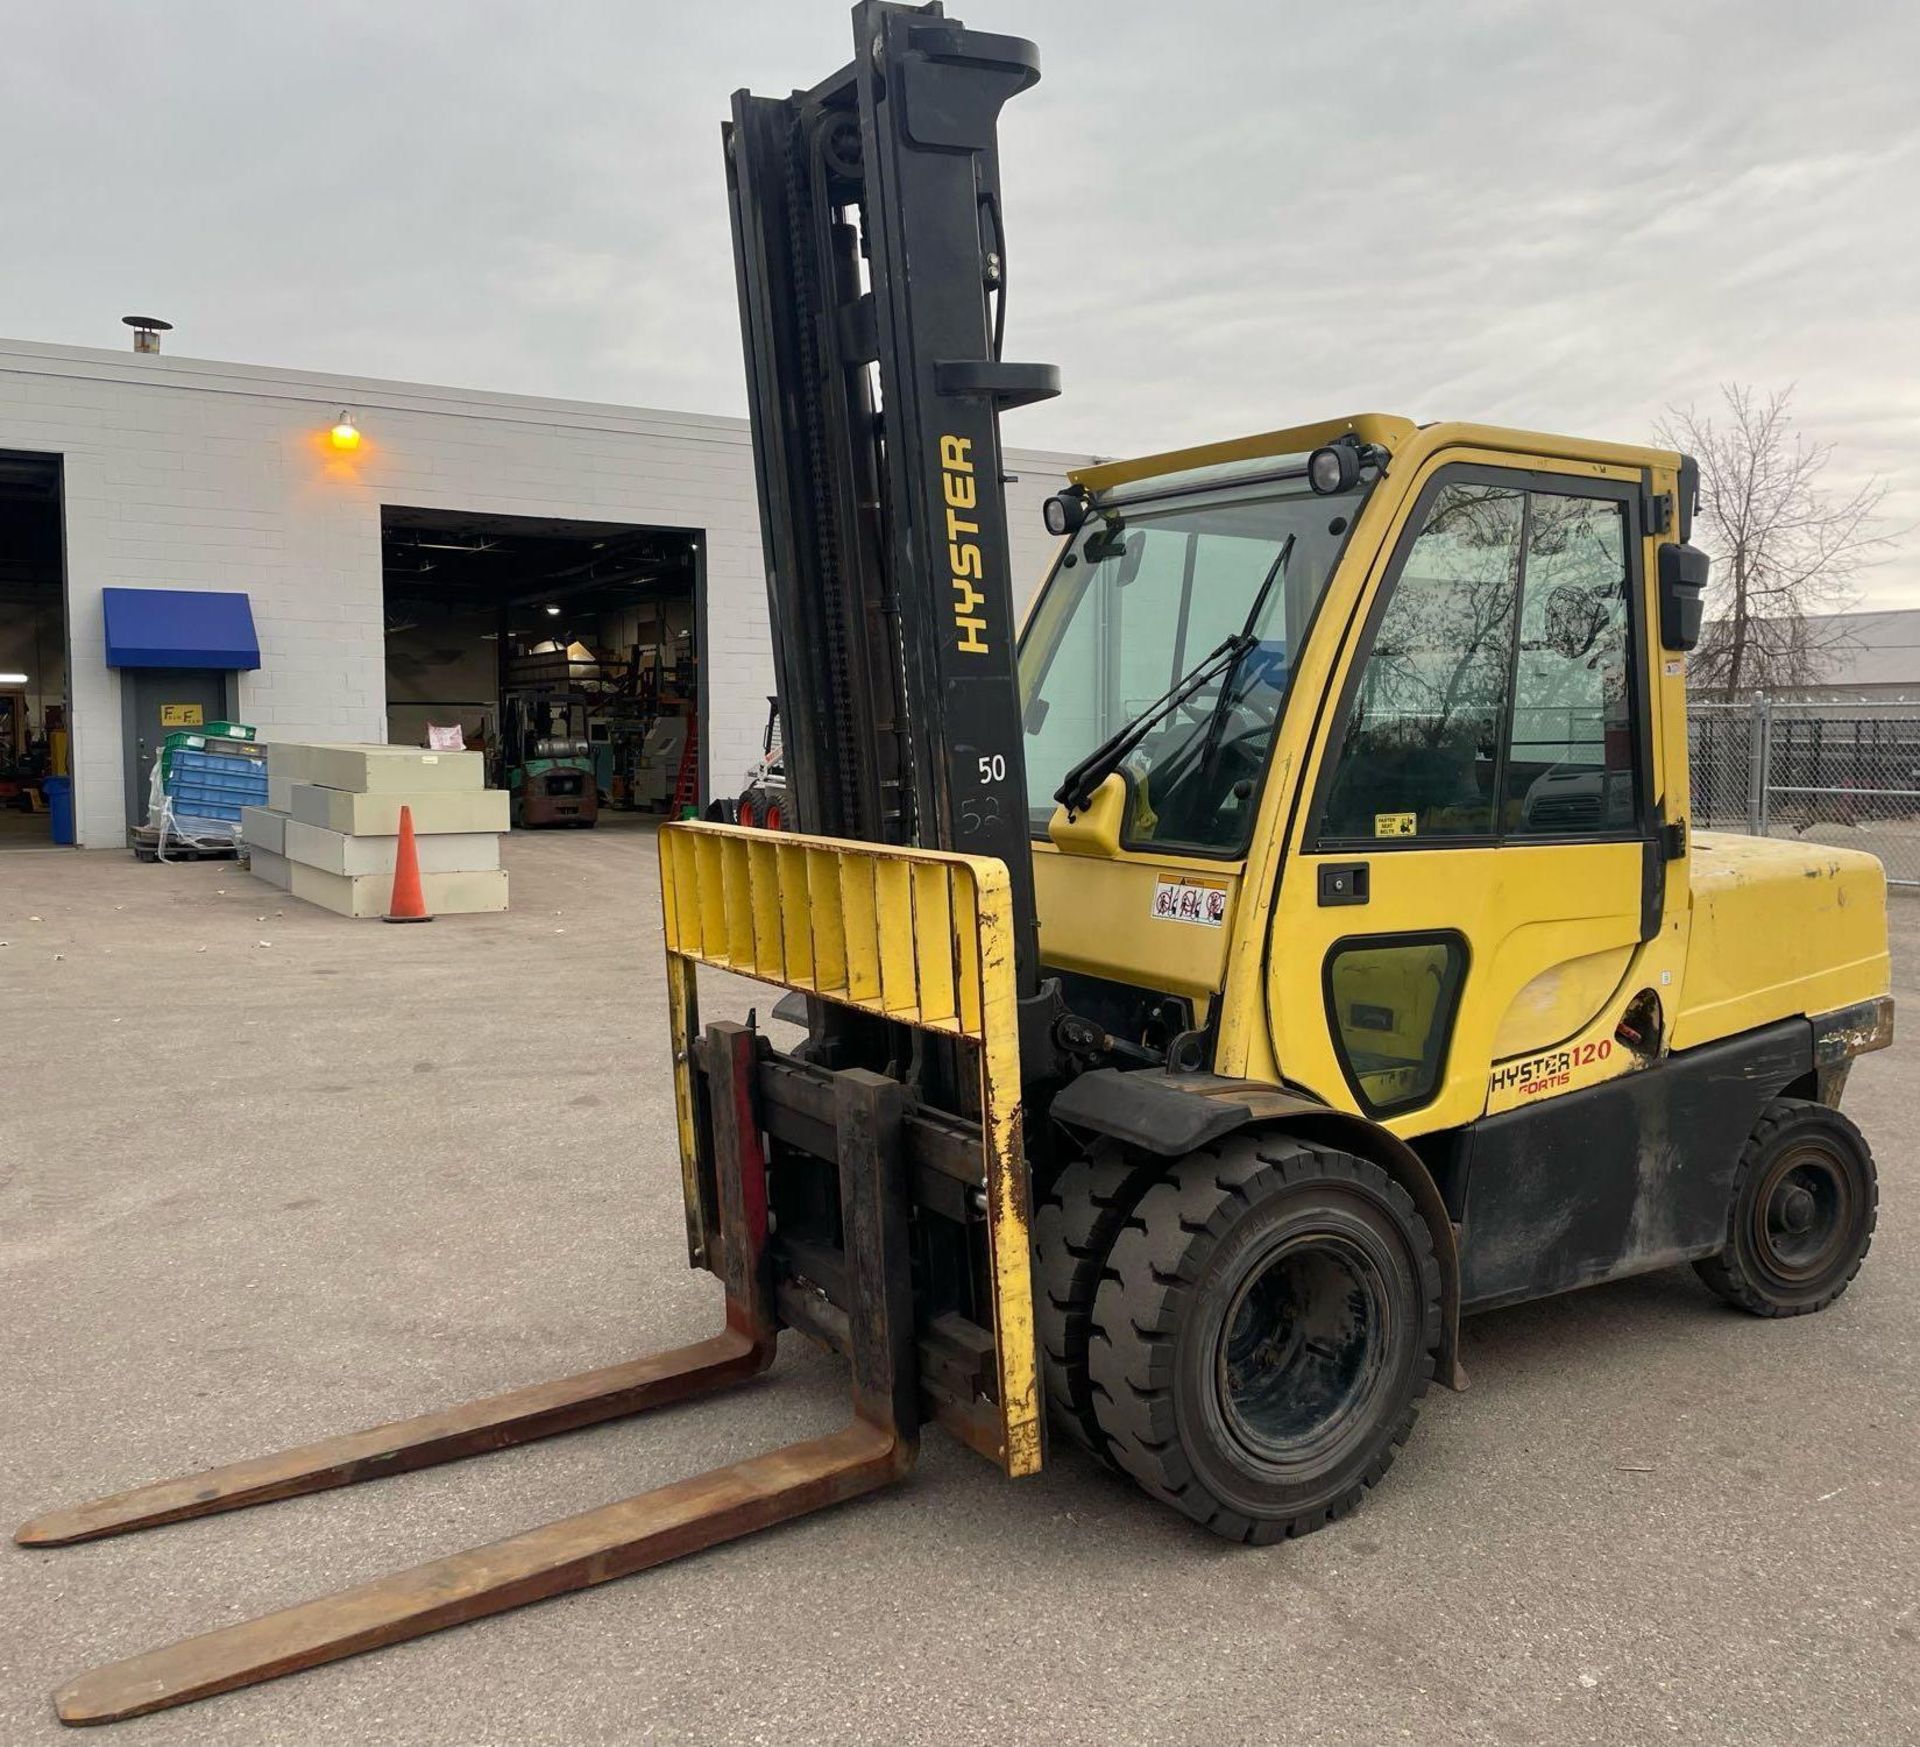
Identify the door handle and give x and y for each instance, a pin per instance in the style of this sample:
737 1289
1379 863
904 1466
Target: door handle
1344 882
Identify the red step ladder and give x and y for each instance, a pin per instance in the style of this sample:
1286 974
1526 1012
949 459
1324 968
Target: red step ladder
686 785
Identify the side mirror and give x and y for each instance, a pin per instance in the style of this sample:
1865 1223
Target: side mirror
1114 541
1095 830
1683 584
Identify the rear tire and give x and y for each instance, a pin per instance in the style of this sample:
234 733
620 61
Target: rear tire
1073 1229
1806 1198
1268 1321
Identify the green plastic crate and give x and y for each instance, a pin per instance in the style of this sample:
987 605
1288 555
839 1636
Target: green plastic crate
214 737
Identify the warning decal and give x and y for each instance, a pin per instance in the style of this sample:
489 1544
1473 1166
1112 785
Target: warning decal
1191 900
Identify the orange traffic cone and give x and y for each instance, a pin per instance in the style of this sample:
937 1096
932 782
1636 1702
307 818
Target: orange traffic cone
408 903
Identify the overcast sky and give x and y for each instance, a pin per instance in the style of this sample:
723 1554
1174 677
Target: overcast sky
1222 217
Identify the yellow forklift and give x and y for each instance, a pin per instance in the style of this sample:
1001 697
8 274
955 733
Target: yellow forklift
1290 941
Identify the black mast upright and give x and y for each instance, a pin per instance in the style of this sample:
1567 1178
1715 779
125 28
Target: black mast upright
870 251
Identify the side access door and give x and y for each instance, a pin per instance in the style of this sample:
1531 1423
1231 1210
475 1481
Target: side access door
1473 869
154 702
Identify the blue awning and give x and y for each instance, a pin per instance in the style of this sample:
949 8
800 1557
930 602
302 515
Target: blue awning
178 627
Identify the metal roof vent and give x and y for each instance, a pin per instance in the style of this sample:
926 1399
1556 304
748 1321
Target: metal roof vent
147 330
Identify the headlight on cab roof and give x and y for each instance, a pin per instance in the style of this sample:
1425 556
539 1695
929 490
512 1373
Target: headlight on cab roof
1334 469
1066 511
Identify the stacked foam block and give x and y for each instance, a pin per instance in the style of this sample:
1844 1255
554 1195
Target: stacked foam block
330 829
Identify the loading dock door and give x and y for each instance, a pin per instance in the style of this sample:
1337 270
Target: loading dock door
156 702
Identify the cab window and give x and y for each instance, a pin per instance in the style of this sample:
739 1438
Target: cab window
1424 725
1393 1002
1569 766
1494 699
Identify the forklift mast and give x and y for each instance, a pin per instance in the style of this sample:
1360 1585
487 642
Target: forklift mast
871 257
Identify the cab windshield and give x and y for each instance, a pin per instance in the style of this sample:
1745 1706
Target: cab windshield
1140 598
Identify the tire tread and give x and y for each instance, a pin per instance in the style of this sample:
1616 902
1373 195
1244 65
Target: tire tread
1074 1228
1724 1274
1161 1250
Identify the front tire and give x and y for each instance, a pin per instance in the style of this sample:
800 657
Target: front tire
1268 1322
1806 1198
1074 1228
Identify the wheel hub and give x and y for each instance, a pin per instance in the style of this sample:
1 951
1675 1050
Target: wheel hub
1803 1215
1796 1209
1300 1346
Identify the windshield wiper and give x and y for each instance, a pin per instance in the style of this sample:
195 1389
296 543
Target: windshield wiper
1217 721
1077 786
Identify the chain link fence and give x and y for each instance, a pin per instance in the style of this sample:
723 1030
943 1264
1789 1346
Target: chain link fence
1824 773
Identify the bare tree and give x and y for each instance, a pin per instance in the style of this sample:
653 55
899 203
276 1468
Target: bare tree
1784 551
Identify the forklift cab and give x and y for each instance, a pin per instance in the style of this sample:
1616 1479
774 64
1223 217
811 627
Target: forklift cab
1426 818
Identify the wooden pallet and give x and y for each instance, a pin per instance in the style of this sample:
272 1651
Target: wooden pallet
146 847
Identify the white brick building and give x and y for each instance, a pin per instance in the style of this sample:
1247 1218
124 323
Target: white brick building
179 473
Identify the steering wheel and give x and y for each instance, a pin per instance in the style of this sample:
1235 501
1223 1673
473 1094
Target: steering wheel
1195 711
1264 705
1188 807
1260 702
1248 751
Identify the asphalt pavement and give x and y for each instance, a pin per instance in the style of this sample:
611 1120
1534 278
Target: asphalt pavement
267 1175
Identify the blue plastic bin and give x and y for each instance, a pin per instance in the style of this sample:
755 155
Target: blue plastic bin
216 785
59 793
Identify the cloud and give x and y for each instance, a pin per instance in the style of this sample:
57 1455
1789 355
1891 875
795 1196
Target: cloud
1222 218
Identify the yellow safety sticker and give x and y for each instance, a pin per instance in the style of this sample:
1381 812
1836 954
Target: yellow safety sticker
1185 899
182 716
1394 824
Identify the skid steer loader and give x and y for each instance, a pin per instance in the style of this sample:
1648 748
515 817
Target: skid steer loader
1290 941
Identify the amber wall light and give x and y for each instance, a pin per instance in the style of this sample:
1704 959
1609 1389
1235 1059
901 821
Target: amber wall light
345 434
